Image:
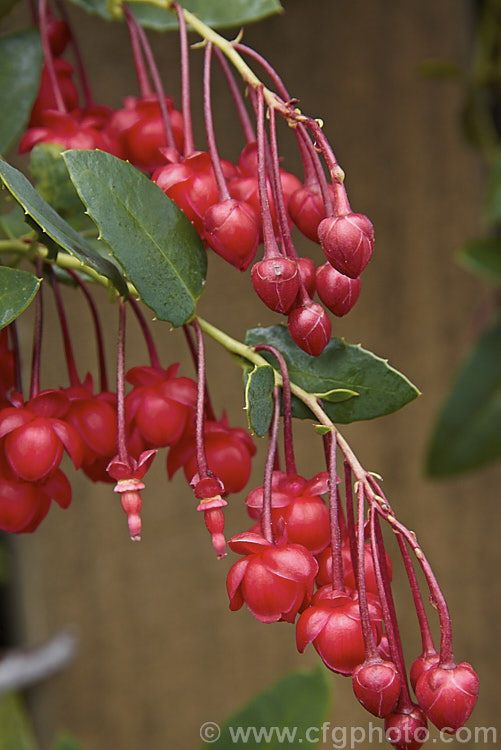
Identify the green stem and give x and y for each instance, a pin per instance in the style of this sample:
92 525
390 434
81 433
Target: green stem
246 352
63 260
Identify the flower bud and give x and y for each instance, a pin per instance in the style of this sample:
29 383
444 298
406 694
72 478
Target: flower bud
276 282
337 291
310 327
347 242
377 686
448 695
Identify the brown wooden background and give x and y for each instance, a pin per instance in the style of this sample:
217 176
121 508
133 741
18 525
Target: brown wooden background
160 651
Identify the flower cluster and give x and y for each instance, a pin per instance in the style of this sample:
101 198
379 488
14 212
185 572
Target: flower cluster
234 207
110 436
321 566
325 569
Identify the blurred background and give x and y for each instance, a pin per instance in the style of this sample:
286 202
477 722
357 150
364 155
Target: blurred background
160 652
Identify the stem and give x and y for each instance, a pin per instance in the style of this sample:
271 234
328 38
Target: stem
266 520
269 69
68 349
243 114
48 57
446 654
371 651
336 542
155 76
290 461
148 338
14 337
350 517
189 144
103 377
222 188
123 453
137 55
424 626
37 339
319 176
386 599
279 200
209 410
202 466
270 245
82 74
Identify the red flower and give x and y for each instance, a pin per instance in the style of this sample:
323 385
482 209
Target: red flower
35 435
332 624
160 404
297 502
274 580
228 449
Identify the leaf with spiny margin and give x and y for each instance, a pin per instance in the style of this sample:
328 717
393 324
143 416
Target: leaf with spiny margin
298 701
483 257
56 229
52 182
259 384
17 291
215 13
468 431
20 66
381 389
157 246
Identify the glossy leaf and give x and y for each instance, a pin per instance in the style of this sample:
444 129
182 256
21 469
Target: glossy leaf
52 181
54 228
483 257
283 714
259 385
17 290
382 389
468 431
20 66
215 13
15 728
156 245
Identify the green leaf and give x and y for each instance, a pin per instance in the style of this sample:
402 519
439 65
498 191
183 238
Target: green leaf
15 728
381 389
215 13
336 395
17 290
493 200
52 181
65 742
322 429
54 228
156 245
483 257
283 715
259 385
468 434
20 66
13 224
